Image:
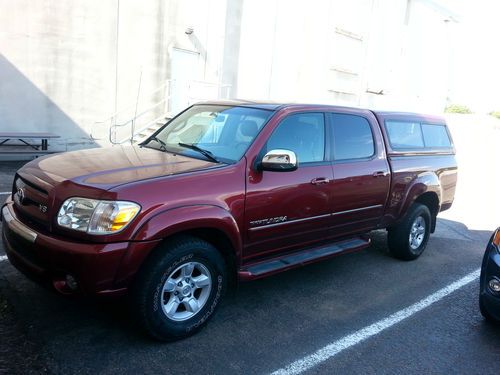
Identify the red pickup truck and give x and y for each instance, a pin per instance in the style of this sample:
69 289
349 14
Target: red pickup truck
227 191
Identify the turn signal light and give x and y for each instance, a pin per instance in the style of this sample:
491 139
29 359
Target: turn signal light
496 238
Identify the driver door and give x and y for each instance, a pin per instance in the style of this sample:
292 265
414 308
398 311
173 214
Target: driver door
287 210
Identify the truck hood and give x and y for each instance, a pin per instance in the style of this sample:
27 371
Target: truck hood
109 167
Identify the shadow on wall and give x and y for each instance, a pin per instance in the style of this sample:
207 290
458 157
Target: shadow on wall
25 108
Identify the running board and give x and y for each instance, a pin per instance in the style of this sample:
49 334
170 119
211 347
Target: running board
297 259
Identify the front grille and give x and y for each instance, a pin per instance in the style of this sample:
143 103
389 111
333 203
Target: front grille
31 203
30 184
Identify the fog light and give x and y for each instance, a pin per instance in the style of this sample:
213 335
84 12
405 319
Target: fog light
494 285
73 285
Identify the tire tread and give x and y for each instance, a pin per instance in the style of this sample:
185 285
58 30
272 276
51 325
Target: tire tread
169 251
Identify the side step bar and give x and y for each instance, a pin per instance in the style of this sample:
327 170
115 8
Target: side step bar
297 259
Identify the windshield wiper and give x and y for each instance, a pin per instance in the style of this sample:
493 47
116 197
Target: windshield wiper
163 145
202 151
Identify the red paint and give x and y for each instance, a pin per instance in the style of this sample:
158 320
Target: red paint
178 194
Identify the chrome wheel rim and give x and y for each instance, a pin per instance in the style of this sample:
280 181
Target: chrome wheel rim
186 291
417 233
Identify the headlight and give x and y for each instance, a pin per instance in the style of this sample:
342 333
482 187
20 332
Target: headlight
96 217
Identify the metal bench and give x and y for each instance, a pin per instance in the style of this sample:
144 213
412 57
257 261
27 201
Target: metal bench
27 139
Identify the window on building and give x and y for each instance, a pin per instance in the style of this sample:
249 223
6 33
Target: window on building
352 137
303 134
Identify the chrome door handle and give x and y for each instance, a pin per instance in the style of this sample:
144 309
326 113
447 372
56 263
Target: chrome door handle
380 174
320 181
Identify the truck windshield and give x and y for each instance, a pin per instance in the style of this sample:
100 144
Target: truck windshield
225 132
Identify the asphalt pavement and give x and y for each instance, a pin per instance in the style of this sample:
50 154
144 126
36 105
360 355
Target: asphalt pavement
266 325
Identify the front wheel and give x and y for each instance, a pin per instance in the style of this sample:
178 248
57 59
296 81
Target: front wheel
409 238
179 288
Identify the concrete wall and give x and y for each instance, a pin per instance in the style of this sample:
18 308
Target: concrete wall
57 62
66 65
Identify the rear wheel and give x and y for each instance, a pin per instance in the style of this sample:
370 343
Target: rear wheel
179 288
409 238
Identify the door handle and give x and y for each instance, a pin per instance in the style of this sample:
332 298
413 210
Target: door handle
380 174
320 180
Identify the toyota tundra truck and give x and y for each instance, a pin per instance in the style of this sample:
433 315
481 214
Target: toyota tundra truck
226 192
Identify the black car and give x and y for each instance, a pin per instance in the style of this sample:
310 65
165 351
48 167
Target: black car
489 294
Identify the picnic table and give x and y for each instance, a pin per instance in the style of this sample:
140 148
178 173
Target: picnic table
28 139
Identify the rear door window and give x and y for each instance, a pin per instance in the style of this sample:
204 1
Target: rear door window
352 137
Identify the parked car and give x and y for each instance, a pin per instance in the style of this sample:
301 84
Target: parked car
489 292
225 192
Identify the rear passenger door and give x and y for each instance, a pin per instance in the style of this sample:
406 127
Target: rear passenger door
361 172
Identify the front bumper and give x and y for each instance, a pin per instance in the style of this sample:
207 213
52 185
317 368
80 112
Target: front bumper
490 268
97 268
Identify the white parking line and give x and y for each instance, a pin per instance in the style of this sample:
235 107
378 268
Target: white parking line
346 342
4 192
3 257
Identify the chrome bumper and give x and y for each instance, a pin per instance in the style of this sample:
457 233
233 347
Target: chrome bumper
16 226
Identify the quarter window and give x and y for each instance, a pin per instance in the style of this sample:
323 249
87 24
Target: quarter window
352 137
303 134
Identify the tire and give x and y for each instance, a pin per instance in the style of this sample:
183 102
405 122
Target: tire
408 239
486 314
179 288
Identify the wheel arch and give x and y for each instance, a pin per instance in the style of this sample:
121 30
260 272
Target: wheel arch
431 200
218 239
426 190
212 224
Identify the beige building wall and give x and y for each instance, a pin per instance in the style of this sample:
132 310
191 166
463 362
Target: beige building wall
68 66
65 66
373 53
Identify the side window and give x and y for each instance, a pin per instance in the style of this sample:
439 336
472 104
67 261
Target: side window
352 137
404 135
435 136
303 134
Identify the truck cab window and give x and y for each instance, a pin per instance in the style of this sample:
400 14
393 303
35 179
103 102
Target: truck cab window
352 137
303 134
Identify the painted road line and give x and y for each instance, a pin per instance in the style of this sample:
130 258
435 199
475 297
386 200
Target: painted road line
4 192
346 342
3 257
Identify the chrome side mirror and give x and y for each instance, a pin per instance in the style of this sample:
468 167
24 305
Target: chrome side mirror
279 161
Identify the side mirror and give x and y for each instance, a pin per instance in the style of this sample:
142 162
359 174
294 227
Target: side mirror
279 161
